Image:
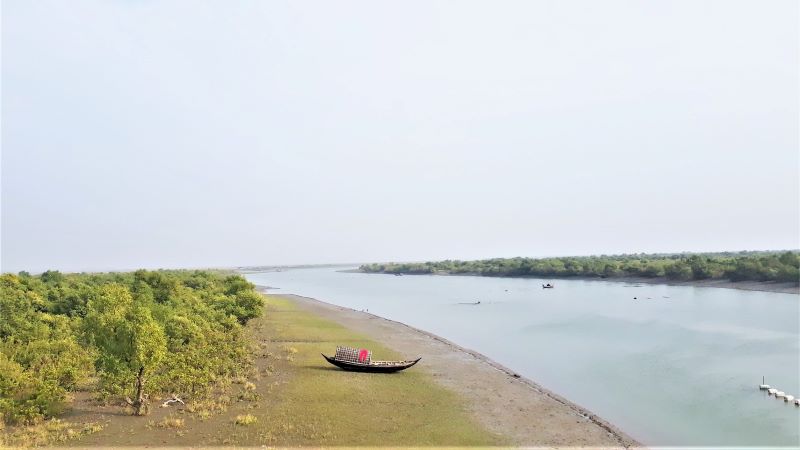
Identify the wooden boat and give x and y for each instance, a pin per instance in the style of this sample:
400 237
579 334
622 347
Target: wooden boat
374 366
360 361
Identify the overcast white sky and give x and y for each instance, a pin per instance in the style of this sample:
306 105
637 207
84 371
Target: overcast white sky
189 134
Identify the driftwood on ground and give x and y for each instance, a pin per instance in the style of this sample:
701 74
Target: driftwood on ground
174 399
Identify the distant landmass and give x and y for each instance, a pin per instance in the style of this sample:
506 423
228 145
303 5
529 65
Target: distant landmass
256 269
776 266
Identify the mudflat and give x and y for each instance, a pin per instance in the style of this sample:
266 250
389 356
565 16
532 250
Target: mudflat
504 402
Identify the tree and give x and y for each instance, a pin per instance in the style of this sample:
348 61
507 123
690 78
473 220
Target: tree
244 305
699 267
610 270
52 276
679 270
131 343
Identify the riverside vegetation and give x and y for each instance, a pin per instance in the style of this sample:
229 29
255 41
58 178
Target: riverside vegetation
738 266
80 339
121 336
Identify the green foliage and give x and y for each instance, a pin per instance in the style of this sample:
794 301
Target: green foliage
130 342
25 396
679 270
138 333
741 266
40 356
52 277
244 305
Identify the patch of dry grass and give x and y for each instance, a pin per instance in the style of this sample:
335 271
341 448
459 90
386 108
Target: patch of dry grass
45 433
290 350
171 422
246 419
204 409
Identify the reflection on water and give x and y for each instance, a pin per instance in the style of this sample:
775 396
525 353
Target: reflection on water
677 366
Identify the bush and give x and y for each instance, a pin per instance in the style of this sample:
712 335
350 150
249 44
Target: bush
25 397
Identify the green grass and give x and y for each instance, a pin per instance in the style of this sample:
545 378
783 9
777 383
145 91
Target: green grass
319 404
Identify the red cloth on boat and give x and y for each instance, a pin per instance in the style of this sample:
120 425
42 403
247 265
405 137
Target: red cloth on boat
350 354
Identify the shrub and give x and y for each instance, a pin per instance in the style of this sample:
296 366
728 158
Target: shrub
245 420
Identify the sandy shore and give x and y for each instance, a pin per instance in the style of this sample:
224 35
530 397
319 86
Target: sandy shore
503 401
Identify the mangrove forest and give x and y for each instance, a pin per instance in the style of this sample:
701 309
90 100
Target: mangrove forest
734 266
123 337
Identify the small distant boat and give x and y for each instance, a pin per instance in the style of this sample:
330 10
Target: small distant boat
360 360
398 274
547 286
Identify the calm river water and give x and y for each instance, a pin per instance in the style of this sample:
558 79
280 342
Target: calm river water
679 366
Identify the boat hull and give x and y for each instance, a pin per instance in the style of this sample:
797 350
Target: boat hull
372 368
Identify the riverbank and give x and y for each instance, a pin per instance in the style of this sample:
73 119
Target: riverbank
291 397
504 402
761 286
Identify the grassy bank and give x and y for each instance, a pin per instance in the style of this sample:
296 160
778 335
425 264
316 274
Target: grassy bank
292 397
323 405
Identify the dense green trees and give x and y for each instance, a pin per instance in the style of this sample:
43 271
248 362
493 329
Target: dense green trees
135 333
755 266
130 342
41 358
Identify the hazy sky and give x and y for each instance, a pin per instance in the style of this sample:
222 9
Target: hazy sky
147 133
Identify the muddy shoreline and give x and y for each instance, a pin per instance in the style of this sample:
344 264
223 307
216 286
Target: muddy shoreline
760 286
504 401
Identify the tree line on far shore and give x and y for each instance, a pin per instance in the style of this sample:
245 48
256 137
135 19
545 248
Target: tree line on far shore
122 336
734 266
